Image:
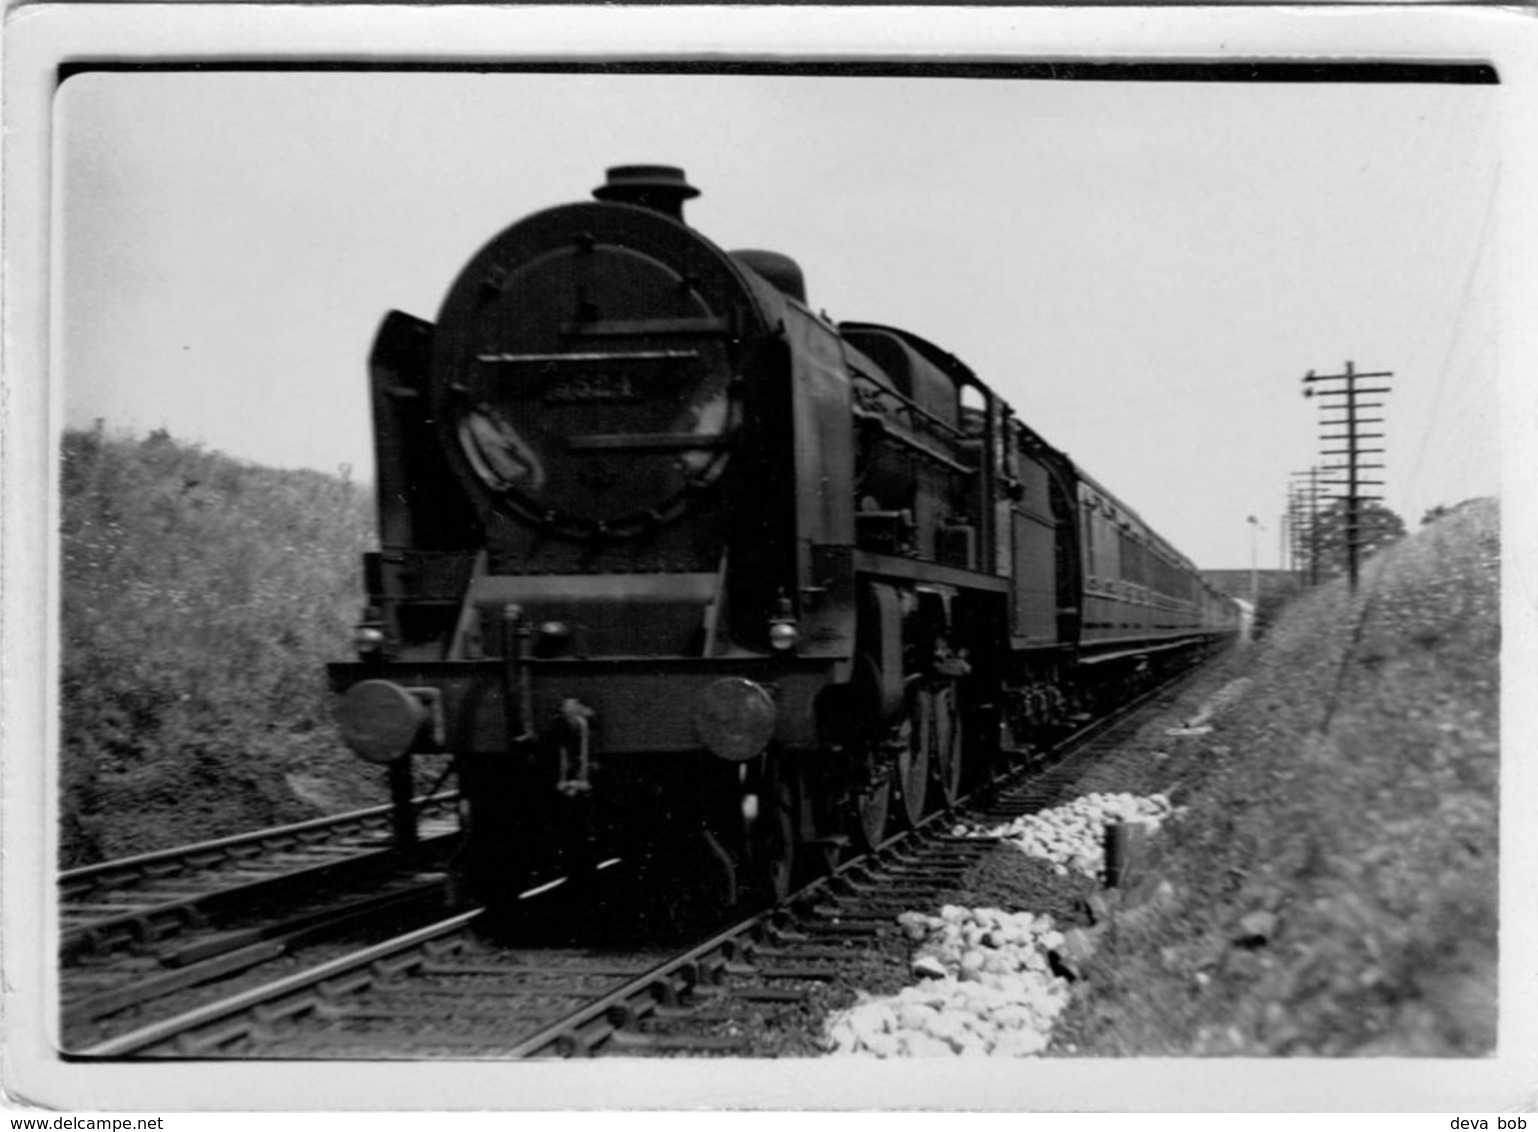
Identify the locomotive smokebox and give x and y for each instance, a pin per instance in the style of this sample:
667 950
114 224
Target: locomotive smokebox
661 188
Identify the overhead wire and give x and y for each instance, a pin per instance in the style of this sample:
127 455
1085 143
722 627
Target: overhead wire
1487 214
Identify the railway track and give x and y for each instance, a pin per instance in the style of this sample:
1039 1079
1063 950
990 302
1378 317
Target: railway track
142 901
140 929
445 991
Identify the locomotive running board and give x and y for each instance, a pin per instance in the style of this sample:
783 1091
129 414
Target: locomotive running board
913 570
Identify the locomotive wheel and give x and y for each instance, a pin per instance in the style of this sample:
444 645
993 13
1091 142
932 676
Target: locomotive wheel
911 737
946 733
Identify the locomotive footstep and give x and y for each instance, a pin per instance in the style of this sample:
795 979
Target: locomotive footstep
872 806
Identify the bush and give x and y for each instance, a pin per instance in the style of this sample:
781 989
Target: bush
201 598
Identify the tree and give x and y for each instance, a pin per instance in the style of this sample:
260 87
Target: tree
1326 538
1434 514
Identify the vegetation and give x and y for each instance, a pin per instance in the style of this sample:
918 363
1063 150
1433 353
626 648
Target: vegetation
1326 540
1332 885
201 598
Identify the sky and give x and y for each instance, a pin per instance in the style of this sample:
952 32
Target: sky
1144 271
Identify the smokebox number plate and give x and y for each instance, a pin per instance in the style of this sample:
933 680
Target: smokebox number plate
588 387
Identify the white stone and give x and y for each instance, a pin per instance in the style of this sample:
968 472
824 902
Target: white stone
928 967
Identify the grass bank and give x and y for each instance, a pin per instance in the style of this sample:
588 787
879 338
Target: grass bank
201 597
1332 886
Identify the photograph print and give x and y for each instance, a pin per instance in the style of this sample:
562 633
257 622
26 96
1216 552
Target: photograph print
956 567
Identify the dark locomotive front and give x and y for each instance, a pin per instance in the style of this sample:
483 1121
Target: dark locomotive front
597 580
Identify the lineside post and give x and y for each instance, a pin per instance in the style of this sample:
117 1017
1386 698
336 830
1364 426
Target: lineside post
1351 421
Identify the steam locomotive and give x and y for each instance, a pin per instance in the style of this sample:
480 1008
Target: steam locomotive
680 571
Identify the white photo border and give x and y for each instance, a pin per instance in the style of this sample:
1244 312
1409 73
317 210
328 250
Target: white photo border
41 38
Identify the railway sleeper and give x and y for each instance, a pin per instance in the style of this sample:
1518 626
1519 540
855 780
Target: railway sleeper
267 1013
344 985
413 988
879 910
887 888
670 993
919 876
207 858
692 1011
485 1011
213 1038
929 854
394 967
429 967
809 974
926 857
426 1042
781 935
630 1041
117 909
175 888
857 915
863 928
760 994
108 1002
807 951
852 884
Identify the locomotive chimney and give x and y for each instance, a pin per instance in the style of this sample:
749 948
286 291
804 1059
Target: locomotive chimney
661 188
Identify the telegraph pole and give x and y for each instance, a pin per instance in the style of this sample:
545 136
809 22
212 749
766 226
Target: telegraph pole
1297 526
1353 451
1293 529
1304 510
